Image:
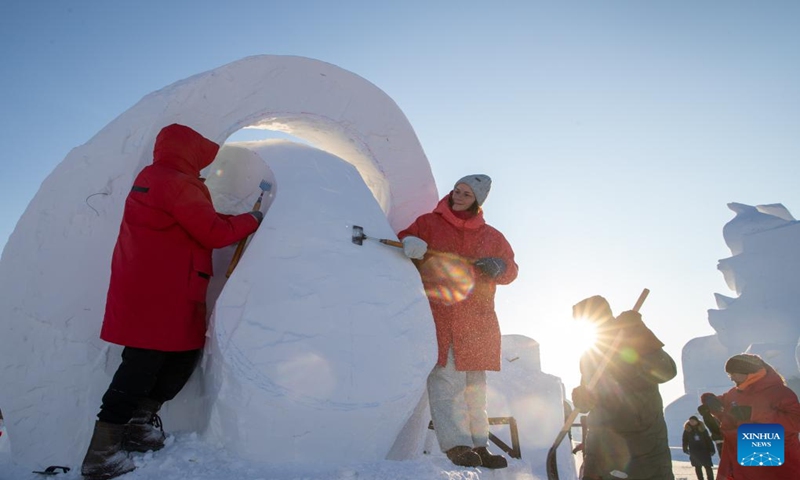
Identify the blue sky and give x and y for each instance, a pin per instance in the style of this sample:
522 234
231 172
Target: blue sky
615 132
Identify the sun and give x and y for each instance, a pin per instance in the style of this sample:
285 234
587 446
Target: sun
583 334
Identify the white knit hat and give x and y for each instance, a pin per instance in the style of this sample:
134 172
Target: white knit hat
480 185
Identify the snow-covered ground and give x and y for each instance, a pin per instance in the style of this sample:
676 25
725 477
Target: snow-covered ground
187 457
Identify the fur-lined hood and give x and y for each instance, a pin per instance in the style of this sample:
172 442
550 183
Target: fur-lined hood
700 427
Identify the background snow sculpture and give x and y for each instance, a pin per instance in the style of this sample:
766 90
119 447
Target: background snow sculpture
764 271
55 267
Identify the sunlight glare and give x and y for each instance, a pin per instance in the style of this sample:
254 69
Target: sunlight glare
584 334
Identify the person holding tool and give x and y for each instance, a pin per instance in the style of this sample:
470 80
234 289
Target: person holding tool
760 396
155 308
626 432
461 261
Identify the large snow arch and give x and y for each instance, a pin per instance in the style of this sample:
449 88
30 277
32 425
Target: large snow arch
331 108
55 267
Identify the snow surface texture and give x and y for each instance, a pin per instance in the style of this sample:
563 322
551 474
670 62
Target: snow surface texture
764 272
322 349
318 348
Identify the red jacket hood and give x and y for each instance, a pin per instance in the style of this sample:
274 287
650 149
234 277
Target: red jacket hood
183 149
471 223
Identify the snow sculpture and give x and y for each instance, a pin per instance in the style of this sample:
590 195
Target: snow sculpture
763 319
322 352
55 267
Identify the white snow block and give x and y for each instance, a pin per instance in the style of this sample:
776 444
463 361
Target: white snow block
319 348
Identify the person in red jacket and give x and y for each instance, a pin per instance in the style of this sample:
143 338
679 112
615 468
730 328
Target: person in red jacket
155 305
461 261
760 396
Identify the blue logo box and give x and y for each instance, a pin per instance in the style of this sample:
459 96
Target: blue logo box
760 445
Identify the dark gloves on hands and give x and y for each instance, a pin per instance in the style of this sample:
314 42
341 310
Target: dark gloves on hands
712 402
637 335
258 216
741 412
492 266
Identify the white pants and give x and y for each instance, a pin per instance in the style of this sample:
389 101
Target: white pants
458 406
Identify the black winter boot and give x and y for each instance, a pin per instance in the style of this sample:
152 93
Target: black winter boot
463 456
488 460
105 458
144 431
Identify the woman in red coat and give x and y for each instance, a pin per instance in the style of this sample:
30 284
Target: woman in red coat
760 396
156 307
461 260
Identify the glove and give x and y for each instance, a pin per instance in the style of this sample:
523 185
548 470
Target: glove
637 335
492 266
741 412
712 402
583 399
414 247
257 215
711 422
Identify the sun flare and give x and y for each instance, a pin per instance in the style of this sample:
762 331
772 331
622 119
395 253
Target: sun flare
584 334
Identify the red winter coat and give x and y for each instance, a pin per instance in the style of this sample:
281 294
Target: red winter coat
161 264
460 295
771 402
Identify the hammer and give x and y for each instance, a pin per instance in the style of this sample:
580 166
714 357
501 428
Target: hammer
265 187
359 237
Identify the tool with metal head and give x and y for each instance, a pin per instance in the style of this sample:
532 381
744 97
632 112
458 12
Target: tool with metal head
265 187
359 237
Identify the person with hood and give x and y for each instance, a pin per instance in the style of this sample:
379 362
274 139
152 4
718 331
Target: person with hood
698 445
461 260
626 435
155 306
760 396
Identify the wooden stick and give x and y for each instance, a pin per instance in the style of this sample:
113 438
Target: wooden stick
237 254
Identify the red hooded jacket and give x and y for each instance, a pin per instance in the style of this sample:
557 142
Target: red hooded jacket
770 401
161 264
460 295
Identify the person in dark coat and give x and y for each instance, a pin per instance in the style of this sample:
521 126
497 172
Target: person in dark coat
155 307
698 445
760 396
461 260
626 432
712 424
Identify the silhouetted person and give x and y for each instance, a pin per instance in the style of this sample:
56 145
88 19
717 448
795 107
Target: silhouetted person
626 433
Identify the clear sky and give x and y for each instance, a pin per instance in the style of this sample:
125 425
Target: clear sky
615 132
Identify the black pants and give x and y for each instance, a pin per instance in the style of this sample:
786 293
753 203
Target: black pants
144 374
699 472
